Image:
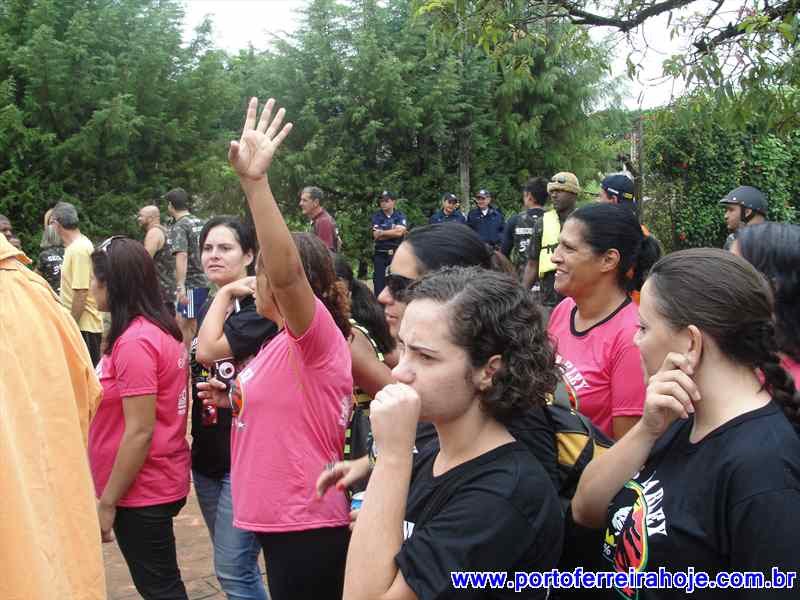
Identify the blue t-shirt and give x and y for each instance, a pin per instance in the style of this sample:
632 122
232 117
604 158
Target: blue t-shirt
454 217
381 221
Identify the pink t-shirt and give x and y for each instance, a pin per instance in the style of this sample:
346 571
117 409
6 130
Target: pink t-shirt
602 365
295 404
793 367
145 360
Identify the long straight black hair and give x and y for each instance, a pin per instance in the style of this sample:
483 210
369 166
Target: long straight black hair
126 270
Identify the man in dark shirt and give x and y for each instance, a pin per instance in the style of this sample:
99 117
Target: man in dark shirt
156 242
52 255
486 220
388 228
449 213
524 230
563 190
191 282
323 224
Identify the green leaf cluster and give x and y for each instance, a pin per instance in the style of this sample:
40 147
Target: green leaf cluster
696 153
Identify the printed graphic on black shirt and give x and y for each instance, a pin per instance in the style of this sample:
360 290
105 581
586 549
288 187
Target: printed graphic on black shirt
640 517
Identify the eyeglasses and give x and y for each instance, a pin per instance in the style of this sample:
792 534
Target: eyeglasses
397 285
107 244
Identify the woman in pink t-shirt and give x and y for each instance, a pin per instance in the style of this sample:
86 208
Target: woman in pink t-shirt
292 402
774 249
137 441
598 264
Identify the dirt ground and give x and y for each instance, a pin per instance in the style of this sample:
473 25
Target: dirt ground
194 557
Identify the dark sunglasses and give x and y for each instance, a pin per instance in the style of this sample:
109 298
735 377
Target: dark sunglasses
107 244
397 285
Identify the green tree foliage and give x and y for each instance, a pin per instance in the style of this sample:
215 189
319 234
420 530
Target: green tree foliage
735 47
101 104
697 153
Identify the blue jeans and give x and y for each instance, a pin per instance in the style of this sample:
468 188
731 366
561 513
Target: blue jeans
235 551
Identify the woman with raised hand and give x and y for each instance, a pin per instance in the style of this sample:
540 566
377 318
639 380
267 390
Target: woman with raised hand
474 355
709 478
292 401
599 262
137 440
230 333
774 249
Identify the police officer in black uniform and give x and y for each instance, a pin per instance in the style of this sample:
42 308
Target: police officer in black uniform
744 205
388 228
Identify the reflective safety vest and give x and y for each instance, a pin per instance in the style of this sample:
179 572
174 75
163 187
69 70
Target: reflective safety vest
550 233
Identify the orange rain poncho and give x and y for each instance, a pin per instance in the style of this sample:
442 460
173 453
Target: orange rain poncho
49 532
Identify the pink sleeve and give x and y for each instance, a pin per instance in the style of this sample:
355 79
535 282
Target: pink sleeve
136 365
627 381
319 339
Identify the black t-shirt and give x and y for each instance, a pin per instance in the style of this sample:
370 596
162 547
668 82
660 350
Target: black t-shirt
246 331
727 503
503 516
532 428
50 260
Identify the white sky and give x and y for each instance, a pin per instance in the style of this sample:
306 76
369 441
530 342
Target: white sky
240 22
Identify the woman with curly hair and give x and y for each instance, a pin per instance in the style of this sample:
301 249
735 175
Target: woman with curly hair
424 250
474 355
292 401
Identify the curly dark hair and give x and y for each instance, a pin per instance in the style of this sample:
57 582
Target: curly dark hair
364 308
490 314
318 266
727 299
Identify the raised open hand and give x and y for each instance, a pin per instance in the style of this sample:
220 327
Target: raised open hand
252 155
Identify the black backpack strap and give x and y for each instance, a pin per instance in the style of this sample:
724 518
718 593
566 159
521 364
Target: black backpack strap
593 437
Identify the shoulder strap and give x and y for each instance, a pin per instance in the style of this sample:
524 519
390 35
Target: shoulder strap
364 330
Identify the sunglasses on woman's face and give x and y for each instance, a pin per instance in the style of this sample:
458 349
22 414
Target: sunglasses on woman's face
107 244
397 285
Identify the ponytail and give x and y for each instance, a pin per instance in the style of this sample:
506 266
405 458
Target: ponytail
648 255
726 298
777 381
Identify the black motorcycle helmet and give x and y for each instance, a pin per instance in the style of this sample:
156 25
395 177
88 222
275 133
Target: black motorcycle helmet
747 197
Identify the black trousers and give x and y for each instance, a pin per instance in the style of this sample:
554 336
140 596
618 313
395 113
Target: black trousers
380 262
93 344
146 538
306 565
